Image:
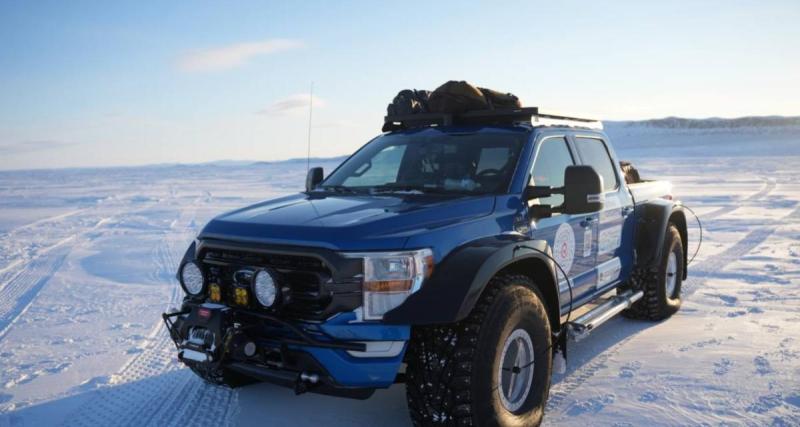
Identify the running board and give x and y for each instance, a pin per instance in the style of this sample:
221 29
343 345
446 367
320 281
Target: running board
580 327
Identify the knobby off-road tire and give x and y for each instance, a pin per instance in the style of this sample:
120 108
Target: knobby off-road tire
454 371
661 286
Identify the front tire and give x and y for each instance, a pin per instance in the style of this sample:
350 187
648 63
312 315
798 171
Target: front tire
491 369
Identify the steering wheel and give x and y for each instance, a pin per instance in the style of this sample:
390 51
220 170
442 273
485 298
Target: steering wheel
488 173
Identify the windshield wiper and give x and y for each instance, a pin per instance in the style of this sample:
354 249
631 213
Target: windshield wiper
338 189
402 188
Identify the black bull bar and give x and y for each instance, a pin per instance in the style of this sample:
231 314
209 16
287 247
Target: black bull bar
301 338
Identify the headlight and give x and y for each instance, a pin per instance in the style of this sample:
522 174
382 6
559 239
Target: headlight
265 289
390 277
192 278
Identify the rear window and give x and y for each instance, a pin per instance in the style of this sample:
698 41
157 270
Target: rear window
594 153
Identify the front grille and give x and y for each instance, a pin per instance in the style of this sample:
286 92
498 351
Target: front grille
307 286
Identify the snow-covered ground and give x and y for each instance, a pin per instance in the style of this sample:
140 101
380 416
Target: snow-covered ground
87 259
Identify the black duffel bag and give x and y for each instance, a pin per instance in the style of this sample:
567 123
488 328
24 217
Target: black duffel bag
409 101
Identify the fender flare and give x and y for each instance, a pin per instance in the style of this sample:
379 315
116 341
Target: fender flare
458 281
654 218
189 255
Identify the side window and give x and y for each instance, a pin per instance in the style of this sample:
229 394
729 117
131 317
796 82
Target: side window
548 168
383 168
594 153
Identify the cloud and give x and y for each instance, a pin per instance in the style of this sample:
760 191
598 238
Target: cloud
33 146
226 57
292 104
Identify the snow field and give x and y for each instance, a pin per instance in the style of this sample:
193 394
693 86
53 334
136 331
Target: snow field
87 263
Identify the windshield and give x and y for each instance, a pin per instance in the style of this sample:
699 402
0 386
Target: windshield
431 162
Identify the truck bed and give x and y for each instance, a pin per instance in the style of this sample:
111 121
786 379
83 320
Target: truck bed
647 190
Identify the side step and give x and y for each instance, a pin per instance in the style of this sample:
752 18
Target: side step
582 326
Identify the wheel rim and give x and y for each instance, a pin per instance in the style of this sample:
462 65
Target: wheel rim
671 279
515 375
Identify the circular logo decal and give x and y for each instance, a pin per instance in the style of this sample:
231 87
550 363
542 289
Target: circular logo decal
564 247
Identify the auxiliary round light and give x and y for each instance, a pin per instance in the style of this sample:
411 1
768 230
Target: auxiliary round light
192 278
265 288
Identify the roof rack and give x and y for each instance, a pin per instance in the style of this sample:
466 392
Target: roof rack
530 115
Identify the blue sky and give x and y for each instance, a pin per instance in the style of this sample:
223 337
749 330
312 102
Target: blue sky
113 83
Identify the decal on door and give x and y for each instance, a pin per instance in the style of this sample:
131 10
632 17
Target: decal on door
564 247
608 272
609 239
587 242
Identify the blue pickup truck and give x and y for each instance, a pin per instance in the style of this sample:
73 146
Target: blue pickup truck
456 253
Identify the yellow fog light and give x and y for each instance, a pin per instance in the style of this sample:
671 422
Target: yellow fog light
240 296
215 293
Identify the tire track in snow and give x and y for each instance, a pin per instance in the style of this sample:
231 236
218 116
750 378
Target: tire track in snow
695 281
769 186
141 382
18 294
764 192
16 268
746 244
42 221
22 281
191 401
153 388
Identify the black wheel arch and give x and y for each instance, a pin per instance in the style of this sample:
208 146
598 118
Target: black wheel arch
655 216
189 255
458 281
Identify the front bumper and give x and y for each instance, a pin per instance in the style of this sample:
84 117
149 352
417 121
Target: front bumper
338 357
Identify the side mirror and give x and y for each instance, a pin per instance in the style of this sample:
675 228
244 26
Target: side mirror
313 178
583 190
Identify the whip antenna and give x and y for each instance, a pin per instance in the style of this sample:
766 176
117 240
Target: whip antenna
310 112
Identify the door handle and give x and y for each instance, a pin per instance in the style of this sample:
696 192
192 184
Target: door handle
588 221
627 210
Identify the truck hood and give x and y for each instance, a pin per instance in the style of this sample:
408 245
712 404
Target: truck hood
348 222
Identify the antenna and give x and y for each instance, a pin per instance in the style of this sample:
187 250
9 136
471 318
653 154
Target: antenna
310 112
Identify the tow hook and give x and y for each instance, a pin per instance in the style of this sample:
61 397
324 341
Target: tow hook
304 381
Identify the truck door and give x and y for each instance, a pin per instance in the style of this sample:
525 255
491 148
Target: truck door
593 151
571 237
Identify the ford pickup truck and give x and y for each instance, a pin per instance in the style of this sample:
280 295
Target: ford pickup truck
455 253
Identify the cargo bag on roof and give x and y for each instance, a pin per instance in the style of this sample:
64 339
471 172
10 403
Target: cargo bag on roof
456 97
453 97
409 101
499 100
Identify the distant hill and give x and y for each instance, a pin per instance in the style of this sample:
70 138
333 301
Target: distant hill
711 123
244 163
303 160
713 137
